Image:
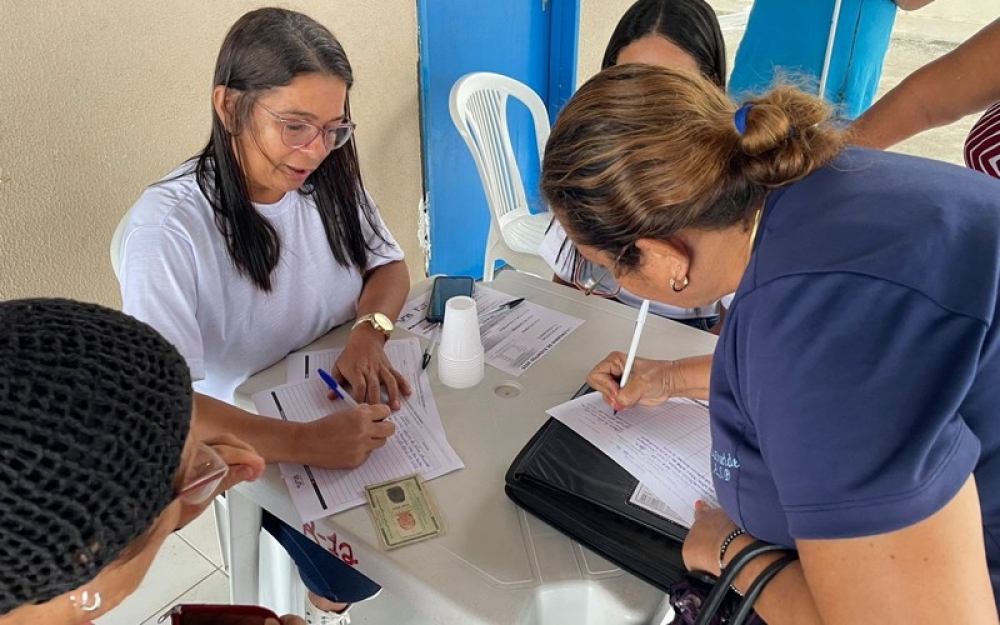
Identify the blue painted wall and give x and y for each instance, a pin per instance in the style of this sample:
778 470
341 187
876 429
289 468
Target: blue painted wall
518 38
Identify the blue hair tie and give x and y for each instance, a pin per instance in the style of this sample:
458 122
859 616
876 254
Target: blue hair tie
740 118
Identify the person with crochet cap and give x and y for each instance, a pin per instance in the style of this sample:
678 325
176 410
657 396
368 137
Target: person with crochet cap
97 462
855 385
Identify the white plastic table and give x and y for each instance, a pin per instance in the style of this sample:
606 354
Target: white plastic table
495 563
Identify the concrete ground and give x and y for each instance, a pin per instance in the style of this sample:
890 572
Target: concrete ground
918 38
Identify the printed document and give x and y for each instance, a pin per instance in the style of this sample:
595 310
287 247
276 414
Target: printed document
666 447
514 339
418 446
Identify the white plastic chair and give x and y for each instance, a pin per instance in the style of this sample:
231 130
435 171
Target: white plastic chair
116 246
478 104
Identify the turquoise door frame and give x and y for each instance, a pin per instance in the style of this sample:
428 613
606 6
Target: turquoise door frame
533 41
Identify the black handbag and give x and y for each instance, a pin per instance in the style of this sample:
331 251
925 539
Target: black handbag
576 488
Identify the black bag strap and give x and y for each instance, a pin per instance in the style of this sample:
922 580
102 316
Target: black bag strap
746 606
715 598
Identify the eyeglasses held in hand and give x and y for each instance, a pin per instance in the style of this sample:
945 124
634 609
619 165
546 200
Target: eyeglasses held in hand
593 279
204 477
296 133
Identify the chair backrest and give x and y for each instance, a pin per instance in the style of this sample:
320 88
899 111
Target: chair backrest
478 104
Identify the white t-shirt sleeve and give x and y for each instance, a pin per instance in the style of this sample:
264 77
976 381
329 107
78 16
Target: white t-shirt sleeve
557 251
383 246
158 281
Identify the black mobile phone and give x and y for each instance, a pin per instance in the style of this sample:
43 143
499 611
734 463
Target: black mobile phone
445 288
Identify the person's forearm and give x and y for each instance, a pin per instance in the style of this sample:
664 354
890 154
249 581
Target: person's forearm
786 599
274 440
385 290
960 83
689 376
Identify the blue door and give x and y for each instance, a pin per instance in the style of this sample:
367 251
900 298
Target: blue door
533 41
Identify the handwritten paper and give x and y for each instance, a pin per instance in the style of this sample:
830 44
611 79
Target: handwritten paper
513 340
418 446
666 447
406 358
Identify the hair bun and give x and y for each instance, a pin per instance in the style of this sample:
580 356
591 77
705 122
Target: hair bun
784 137
766 127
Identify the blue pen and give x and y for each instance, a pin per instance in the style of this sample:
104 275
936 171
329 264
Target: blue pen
326 377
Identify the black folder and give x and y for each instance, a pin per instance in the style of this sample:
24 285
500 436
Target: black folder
577 489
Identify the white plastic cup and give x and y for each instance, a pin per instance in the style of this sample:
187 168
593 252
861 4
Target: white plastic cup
460 355
461 373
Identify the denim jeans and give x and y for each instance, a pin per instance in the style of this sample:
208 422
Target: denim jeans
702 323
322 572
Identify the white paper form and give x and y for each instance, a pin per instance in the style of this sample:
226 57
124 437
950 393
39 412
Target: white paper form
667 447
405 355
317 493
513 340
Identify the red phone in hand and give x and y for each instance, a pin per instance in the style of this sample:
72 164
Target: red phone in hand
220 614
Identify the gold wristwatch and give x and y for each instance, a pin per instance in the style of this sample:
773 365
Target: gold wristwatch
378 321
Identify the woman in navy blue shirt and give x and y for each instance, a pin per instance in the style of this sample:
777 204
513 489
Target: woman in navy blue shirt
855 389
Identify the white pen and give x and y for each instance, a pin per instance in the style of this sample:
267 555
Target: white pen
630 360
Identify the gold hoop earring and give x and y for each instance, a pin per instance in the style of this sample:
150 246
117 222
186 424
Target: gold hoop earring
87 602
684 284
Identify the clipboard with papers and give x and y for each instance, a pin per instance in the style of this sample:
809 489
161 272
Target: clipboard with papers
566 481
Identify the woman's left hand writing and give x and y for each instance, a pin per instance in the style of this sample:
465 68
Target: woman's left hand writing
365 369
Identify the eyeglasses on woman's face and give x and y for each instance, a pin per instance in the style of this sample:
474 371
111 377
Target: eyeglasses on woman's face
593 279
297 133
203 478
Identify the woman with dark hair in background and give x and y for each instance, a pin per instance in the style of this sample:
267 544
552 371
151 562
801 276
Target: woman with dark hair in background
264 242
856 383
683 34
97 463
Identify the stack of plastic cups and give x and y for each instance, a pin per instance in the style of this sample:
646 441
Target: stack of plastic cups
460 354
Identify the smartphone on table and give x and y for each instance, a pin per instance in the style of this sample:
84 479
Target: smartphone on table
445 288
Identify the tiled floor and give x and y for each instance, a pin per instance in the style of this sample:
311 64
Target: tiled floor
189 568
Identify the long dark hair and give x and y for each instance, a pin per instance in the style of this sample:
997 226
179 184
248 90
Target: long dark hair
264 49
689 24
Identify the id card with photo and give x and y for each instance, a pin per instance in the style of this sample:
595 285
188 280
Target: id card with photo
403 511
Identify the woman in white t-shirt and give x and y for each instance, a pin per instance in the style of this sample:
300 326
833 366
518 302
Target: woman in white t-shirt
683 34
262 243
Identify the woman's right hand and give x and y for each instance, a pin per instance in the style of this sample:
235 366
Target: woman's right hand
649 384
245 465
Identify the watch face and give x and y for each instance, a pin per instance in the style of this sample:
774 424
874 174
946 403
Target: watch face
382 322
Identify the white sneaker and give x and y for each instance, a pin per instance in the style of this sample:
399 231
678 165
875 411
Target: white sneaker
315 616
